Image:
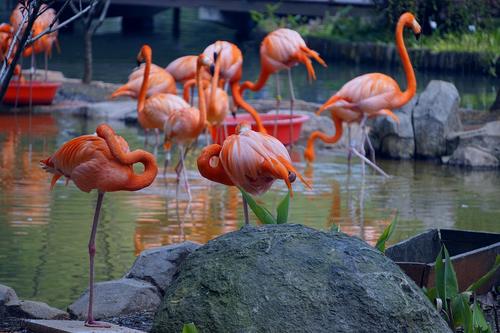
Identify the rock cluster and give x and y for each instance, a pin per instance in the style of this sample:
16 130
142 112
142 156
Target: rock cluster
290 278
141 289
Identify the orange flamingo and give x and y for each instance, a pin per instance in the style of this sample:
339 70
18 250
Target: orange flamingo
45 43
105 163
370 95
159 81
153 111
184 126
279 50
230 72
5 38
218 101
250 160
183 70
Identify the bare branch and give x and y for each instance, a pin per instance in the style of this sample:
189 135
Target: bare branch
61 25
102 16
59 13
13 44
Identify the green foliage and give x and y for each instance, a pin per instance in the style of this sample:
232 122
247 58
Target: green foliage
189 328
386 234
263 214
457 308
335 228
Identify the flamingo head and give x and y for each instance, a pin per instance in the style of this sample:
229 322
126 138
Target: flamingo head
411 22
204 61
144 54
243 127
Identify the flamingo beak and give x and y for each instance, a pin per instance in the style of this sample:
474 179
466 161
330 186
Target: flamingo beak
234 114
417 36
212 69
139 63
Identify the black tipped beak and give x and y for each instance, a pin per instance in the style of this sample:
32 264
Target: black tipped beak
234 114
138 63
291 176
212 69
215 56
417 36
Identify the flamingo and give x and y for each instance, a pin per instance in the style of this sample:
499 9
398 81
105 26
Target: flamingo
183 69
159 81
153 111
218 101
42 22
249 160
105 163
230 72
282 49
370 95
184 126
5 37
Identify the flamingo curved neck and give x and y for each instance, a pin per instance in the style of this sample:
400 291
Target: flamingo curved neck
215 80
211 167
261 81
142 93
135 181
411 82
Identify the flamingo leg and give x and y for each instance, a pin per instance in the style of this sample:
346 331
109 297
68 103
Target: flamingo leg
146 131
90 322
245 211
157 136
370 146
225 131
278 102
168 156
184 173
349 152
46 65
192 96
370 163
292 102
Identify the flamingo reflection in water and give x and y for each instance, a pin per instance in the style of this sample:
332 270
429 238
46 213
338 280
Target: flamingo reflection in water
105 163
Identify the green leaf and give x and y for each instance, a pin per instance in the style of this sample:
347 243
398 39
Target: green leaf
189 328
261 212
462 314
335 228
439 278
282 209
485 278
431 294
479 323
386 235
450 276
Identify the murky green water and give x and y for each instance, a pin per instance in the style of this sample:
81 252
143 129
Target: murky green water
44 234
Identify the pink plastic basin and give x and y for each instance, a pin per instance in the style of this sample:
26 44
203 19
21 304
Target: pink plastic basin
42 93
268 120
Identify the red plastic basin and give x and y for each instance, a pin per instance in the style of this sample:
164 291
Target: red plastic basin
42 93
268 120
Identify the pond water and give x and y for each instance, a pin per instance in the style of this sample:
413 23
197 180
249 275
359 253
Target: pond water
44 234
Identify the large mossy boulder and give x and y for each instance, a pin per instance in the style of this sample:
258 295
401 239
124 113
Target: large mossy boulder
290 278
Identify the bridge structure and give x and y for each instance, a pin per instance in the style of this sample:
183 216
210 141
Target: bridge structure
138 14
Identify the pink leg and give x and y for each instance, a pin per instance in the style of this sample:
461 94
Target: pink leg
90 317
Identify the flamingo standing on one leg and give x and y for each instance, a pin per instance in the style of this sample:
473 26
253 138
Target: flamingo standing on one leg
153 111
184 126
159 81
218 101
230 72
373 94
250 160
279 50
105 163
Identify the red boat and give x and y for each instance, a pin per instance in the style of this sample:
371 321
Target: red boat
40 92
282 122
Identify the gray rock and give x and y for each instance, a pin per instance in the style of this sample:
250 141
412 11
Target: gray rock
8 297
434 117
473 157
392 139
117 110
486 138
36 310
158 266
117 297
290 278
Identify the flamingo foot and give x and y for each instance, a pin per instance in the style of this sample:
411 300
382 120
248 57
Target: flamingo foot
96 324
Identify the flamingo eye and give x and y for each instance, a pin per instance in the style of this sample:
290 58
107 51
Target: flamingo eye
214 161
